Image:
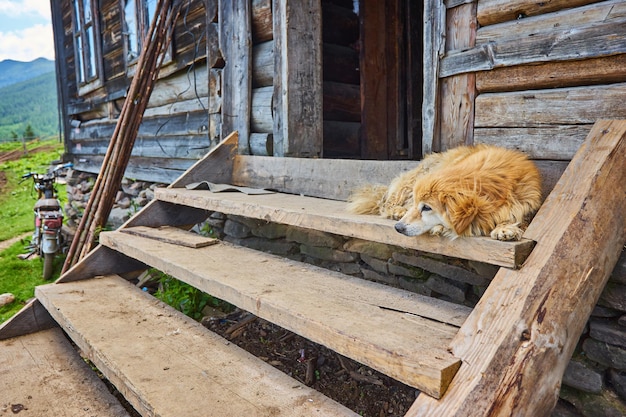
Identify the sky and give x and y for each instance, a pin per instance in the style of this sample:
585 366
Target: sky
25 30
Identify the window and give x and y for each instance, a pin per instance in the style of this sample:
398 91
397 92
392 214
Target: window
85 44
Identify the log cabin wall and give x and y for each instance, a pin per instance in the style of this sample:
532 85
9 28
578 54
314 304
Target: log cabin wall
531 76
180 123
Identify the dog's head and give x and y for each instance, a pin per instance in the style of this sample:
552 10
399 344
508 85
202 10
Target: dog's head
438 212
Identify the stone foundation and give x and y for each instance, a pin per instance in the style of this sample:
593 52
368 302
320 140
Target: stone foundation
594 384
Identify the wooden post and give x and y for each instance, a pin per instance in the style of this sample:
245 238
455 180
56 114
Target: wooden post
236 46
298 120
517 342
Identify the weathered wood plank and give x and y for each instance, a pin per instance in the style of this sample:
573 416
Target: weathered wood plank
604 70
563 106
298 80
263 64
559 45
603 11
434 44
101 260
261 27
173 235
400 333
42 373
236 47
161 354
458 92
517 342
332 217
495 11
558 143
30 319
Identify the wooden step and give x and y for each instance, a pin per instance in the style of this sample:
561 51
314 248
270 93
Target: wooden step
42 375
168 365
331 216
401 334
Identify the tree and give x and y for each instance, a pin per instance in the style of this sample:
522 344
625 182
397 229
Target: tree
28 132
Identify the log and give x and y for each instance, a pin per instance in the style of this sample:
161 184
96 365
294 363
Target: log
262 144
341 25
517 342
342 102
262 30
263 64
261 120
342 139
604 70
496 11
562 106
341 64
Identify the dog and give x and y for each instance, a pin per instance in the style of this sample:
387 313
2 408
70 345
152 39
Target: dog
479 190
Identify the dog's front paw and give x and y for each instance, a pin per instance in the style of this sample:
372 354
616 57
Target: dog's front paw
507 232
438 230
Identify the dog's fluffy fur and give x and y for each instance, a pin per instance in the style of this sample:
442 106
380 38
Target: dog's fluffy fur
477 190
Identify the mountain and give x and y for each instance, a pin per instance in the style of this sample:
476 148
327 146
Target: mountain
28 95
12 72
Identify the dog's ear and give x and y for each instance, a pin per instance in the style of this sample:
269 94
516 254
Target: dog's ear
461 209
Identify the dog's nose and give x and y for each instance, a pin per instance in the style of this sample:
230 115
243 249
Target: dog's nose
400 227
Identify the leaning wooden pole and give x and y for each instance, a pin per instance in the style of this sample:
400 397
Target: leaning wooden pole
118 154
517 342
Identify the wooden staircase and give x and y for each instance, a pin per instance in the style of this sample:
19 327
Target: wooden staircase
469 363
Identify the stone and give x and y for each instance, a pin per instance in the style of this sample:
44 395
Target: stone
276 247
446 287
271 230
370 275
124 203
618 381
373 249
376 264
314 238
604 312
605 354
605 404
414 285
407 271
6 298
614 296
443 269
236 229
582 376
622 321
608 331
328 254
347 268
564 409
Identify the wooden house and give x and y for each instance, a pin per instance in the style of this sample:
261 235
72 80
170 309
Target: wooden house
325 95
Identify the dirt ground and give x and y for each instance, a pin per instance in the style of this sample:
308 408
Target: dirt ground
367 392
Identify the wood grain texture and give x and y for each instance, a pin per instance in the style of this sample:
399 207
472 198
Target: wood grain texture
513 363
173 235
161 354
332 217
31 318
495 11
401 334
45 375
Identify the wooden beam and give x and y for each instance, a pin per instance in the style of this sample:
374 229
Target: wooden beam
495 11
592 41
517 342
236 46
32 318
298 79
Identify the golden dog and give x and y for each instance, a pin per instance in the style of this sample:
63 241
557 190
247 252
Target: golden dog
477 190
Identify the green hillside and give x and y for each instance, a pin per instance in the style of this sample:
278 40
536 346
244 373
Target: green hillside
12 72
31 102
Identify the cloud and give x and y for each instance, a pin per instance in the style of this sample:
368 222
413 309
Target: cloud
27 44
14 8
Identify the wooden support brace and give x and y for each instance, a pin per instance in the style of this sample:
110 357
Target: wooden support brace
517 342
32 318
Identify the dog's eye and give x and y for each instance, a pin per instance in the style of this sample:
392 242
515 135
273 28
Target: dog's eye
426 208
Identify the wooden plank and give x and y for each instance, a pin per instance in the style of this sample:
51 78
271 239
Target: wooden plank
558 143
458 92
517 342
559 45
604 70
401 334
563 106
434 44
153 353
298 79
42 375
495 11
173 235
603 11
101 260
332 217
30 319
236 47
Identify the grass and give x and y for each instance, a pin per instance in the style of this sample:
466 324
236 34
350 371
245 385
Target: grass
16 216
